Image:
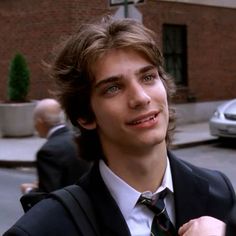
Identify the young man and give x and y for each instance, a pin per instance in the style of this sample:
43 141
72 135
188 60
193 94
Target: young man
111 84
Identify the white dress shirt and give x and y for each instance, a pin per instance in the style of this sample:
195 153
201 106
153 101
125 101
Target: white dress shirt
138 217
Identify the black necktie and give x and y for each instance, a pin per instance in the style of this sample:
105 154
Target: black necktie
161 224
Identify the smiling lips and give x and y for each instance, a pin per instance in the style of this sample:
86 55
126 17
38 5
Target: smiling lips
143 120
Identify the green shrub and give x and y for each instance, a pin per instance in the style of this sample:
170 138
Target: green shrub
19 79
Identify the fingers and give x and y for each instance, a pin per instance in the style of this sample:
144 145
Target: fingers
27 187
184 229
204 226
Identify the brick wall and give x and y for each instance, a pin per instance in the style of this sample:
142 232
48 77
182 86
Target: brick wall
34 27
211 46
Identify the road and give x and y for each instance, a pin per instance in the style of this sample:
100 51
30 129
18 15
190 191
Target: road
10 180
213 156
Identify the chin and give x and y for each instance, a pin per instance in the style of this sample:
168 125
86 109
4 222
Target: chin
160 140
152 141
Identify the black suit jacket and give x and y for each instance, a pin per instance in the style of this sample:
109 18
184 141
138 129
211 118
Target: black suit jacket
231 223
57 163
197 192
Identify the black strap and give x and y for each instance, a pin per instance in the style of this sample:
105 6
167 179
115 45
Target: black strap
77 203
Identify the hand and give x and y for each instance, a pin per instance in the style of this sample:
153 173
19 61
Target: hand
204 226
27 187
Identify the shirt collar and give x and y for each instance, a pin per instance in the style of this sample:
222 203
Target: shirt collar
54 129
120 190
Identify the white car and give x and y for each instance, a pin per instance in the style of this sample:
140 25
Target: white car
223 121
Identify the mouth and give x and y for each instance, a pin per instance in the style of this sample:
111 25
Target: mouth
143 119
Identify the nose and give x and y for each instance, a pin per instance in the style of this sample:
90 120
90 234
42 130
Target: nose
138 97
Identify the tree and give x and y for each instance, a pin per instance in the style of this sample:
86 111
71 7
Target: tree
19 79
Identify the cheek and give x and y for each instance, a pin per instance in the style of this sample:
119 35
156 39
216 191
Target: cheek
109 118
163 93
161 98
106 114
102 111
160 95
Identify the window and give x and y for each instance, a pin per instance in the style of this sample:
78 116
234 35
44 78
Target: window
174 52
122 2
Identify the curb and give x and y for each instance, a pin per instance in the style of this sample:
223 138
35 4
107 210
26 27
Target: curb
16 164
193 144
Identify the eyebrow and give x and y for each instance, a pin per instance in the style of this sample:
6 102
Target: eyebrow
119 77
146 69
108 80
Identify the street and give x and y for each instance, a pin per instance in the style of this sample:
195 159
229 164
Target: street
214 156
10 180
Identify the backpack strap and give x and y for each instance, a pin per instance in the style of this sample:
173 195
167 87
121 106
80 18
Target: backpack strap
78 204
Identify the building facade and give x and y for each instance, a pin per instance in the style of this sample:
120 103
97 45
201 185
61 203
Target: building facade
197 39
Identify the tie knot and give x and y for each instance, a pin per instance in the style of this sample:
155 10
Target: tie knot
161 224
156 205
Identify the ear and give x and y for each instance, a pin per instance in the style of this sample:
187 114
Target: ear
87 125
38 122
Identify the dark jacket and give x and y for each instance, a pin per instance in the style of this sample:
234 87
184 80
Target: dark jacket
231 223
197 192
57 162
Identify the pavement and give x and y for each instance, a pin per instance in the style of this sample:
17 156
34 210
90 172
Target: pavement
20 152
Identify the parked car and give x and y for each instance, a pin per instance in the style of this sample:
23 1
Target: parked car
223 121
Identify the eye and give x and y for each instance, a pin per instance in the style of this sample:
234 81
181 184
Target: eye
111 90
149 78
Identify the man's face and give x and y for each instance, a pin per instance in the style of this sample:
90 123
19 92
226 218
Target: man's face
129 102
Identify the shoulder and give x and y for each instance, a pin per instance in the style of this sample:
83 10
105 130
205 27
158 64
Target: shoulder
62 138
209 192
48 217
209 174
62 132
218 183
60 143
213 177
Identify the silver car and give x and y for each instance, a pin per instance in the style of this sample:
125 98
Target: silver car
223 121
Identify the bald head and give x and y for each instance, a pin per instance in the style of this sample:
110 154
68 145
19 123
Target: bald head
47 114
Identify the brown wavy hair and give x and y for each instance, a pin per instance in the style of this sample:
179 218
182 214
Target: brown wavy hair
73 74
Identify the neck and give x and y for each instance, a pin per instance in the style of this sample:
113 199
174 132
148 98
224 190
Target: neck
143 171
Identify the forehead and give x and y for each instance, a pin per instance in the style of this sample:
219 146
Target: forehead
119 61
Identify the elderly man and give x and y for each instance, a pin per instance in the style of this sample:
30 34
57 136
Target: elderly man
58 162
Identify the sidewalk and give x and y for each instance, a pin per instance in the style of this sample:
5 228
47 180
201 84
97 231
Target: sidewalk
192 134
16 152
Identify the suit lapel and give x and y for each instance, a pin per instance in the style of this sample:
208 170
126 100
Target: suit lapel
190 192
109 216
